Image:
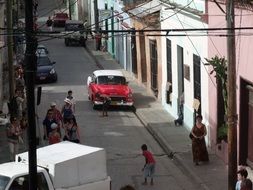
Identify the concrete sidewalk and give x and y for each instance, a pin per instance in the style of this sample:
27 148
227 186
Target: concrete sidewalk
173 139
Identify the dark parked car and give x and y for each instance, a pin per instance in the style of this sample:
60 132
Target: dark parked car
42 50
74 33
45 70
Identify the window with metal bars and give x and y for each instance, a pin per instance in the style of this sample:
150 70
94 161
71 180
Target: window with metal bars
153 66
169 72
197 80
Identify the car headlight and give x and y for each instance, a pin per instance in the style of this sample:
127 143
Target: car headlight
52 71
97 95
130 95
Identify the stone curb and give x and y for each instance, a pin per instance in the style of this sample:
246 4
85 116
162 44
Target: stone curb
169 151
94 58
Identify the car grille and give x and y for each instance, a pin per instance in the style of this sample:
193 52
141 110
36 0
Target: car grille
118 98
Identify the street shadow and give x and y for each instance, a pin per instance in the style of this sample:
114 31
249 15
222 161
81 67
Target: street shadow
142 101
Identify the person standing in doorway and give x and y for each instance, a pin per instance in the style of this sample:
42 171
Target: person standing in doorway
149 167
179 120
199 149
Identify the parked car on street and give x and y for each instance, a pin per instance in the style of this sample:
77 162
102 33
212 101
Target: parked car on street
59 19
74 33
42 50
110 83
45 70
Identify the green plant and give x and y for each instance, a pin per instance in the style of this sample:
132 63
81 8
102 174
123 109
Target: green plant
220 69
222 132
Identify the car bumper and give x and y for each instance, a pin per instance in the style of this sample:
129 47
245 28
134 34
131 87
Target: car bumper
59 23
115 103
48 78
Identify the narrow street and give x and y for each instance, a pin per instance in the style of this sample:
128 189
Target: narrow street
121 134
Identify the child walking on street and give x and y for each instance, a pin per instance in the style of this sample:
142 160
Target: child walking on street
149 167
54 136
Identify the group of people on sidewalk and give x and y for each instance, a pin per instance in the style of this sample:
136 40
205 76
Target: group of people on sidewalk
54 123
57 121
17 128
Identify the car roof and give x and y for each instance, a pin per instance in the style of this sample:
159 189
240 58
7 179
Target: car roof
108 73
60 13
40 46
74 22
40 54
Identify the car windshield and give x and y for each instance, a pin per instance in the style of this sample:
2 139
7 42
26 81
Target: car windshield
43 61
41 51
111 80
74 27
3 181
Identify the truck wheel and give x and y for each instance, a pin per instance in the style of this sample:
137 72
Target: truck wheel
66 42
82 42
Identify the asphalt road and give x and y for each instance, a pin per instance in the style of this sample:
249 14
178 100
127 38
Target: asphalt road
121 134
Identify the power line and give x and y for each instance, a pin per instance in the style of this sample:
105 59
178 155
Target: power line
198 53
210 36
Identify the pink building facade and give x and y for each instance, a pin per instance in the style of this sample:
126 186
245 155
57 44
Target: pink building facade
244 84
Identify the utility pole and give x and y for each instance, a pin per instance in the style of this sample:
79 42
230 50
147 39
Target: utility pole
70 12
96 14
30 71
232 112
10 47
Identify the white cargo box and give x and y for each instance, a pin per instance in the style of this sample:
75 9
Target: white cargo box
71 164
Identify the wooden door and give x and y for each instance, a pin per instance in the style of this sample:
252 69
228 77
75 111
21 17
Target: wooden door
250 127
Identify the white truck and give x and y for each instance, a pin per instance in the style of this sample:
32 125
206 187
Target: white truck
60 166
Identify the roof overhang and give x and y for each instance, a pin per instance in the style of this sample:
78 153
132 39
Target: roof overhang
145 9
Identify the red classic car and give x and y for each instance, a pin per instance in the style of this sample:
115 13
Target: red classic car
110 83
59 19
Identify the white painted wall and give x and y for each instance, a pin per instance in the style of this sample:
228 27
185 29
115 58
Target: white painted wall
194 4
191 45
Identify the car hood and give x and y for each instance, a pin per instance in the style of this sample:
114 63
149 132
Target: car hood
44 68
113 90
